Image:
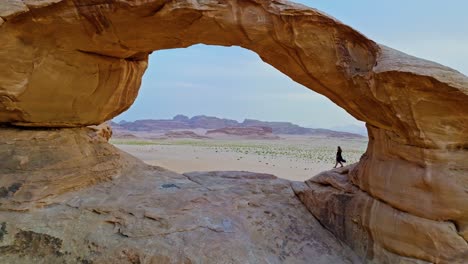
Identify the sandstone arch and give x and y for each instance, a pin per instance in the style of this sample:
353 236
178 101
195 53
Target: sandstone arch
75 63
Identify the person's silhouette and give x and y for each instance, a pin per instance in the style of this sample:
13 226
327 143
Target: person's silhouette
339 157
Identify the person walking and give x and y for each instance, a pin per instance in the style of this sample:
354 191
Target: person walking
339 157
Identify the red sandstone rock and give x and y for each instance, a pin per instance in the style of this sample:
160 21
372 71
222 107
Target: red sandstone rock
107 207
376 230
77 63
103 130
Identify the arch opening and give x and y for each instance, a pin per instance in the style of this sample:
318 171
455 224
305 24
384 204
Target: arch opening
209 103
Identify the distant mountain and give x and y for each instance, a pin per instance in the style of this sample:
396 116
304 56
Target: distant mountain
286 128
247 132
183 134
210 122
152 125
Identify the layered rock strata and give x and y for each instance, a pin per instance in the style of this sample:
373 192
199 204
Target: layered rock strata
74 63
375 229
40 164
130 212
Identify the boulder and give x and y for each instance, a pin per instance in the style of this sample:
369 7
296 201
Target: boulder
375 229
38 165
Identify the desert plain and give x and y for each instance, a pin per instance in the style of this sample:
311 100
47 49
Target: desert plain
290 157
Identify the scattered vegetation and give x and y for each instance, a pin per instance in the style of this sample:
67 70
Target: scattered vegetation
318 150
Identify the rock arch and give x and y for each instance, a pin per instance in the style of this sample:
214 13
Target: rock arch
73 63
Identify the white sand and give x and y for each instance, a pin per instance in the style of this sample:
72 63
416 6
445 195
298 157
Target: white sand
293 158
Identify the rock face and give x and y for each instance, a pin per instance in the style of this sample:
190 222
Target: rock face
75 63
144 214
37 165
103 130
373 228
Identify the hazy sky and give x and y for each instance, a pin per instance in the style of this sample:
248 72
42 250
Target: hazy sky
234 83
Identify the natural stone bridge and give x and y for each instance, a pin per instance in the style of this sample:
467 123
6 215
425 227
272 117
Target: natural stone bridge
67 64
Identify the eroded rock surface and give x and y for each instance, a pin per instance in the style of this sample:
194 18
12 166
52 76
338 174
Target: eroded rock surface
73 63
375 229
144 214
38 164
103 130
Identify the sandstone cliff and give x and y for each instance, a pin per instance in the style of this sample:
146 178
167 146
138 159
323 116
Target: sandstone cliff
73 63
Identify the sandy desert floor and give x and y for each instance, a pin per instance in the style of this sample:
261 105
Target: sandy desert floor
292 157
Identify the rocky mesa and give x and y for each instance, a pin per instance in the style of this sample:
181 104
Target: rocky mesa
245 132
211 122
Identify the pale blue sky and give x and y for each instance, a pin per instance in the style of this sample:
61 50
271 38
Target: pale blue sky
234 83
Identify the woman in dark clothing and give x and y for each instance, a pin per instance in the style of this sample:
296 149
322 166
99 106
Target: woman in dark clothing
339 158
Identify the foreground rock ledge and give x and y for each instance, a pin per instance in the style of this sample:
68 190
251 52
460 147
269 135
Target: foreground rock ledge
144 214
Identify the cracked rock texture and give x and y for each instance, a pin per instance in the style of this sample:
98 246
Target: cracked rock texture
75 63
145 214
373 228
